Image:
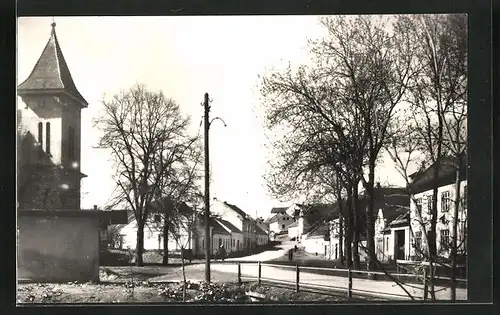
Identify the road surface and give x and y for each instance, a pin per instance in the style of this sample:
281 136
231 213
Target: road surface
267 255
375 288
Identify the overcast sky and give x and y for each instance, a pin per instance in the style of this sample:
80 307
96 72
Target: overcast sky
184 57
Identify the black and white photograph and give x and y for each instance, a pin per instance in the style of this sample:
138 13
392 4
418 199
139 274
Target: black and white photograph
242 159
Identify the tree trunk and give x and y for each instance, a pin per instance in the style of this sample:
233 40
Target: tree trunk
349 229
183 276
431 235
139 248
341 238
165 241
370 222
454 245
356 225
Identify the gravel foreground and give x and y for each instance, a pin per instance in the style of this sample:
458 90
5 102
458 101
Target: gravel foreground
145 292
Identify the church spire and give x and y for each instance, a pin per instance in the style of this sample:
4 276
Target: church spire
51 73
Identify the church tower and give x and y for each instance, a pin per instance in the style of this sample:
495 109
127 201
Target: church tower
49 134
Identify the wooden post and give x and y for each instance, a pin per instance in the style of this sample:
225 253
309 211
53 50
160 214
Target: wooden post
426 288
349 284
260 272
239 273
207 190
297 278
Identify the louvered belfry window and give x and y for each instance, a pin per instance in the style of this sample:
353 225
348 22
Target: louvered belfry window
47 138
40 133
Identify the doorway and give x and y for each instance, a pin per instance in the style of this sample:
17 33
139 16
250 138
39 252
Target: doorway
399 244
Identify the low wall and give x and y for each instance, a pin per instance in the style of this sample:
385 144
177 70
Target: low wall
58 246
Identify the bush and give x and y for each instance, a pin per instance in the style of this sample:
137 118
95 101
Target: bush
115 258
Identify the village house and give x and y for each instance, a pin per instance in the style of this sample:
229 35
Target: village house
240 219
261 223
421 188
317 240
262 236
309 216
279 220
392 235
236 240
293 231
389 203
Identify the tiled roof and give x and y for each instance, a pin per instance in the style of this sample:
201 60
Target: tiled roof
315 213
260 231
229 225
401 219
236 209
423 180
218 228
51 73
319 230
279 210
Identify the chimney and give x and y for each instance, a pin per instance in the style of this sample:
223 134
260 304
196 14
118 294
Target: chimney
95 207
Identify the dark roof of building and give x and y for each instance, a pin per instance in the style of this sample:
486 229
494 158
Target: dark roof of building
275 217
423 180
391 213
166 204
315 213
218 228
401 219
113 217
279 210
51 73
229 225
236 209
321 229
260 231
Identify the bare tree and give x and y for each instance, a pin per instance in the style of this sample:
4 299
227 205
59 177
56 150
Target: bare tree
182 230
146 134
374 66
438 95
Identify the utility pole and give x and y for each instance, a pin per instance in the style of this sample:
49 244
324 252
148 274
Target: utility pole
207 192
207 187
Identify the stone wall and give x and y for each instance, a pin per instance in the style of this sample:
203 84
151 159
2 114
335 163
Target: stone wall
58 246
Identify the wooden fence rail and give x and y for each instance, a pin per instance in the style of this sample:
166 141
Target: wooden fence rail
349 287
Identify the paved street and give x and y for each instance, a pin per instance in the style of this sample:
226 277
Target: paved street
362 286
267 255
228 272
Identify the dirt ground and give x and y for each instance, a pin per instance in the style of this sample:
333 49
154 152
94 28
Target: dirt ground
144 292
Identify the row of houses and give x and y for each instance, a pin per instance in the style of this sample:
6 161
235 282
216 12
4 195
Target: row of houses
399 227
229 226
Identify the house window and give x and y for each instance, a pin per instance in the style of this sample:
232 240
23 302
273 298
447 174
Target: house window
237 244
419 205
40 133
202 243
429 204
282 226
445 201
445 239
47 138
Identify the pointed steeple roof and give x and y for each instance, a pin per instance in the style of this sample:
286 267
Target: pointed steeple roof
51 73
